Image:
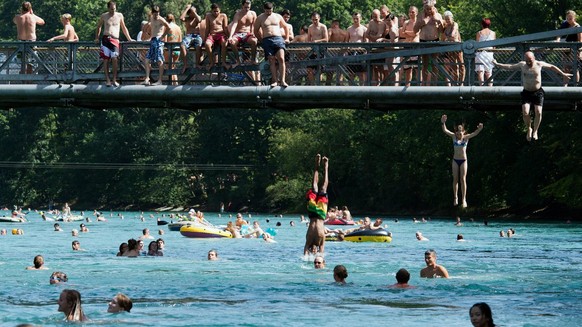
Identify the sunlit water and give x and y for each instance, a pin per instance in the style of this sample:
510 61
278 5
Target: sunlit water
532 279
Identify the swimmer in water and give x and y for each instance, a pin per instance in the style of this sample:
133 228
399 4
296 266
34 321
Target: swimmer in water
433 270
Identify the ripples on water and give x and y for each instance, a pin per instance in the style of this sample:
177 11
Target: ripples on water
532 279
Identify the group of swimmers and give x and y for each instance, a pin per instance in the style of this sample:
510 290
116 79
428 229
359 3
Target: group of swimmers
135 248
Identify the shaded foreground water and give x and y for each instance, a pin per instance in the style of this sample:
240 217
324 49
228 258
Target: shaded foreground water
532 279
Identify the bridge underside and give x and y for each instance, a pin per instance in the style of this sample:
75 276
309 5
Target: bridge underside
194 97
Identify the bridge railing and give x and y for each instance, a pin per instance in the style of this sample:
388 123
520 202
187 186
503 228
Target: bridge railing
307 63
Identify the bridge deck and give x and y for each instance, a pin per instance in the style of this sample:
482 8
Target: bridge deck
71 74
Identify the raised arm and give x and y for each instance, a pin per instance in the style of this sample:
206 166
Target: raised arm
476 132
444 126
185 12
554 68
508 66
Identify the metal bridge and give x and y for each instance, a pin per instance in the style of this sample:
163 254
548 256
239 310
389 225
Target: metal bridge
34 74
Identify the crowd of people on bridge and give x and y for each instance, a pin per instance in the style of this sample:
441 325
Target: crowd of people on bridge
212 33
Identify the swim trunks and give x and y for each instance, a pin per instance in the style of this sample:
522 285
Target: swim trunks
243 37
273 44
156 51
192 40
534 97
109 47
316 204
216 38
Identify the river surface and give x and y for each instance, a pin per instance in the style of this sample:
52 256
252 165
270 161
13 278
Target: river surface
531 279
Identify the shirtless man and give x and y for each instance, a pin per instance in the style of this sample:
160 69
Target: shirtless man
26 23
193 36
273 31
317 208
336 34
111 22
375 33
156 51
316 33
241 31
286 14
433 270
302 37
410 35
531 79
173 35
357 34
216 29
69 34
429 26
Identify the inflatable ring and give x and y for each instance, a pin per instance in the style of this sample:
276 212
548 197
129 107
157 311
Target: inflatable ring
376 235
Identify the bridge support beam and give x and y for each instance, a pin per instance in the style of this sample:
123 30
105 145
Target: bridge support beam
290 98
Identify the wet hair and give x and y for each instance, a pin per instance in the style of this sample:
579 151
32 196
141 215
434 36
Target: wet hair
485 22
340 271
73 297
153 246
124 302
144 231
123 247
430 252
268 5
460 237
132 244
319 256
402 276
485 311
38 261
213 251
58 277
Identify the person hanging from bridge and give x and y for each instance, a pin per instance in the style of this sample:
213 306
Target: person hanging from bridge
111 22
317 208
531 79
459 163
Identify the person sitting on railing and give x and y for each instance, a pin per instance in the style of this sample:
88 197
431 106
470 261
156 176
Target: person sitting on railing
193 36
173 35
69 34
241 31
216 29
156 51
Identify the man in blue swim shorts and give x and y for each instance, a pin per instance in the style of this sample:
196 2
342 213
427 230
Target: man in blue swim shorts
268 27
156 51
193 38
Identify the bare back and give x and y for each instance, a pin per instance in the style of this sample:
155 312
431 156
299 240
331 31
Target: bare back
338 35
26 26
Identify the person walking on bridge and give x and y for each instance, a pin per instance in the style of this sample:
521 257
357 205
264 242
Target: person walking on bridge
531 79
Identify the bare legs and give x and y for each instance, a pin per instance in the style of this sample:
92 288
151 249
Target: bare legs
106 68
315 236
531 133
278 58
460 177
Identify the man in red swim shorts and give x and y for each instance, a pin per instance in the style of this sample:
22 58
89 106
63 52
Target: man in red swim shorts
317 208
